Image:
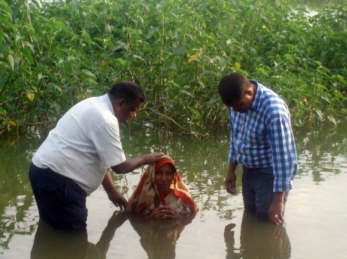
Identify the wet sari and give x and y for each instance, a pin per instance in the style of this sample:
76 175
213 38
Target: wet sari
147 195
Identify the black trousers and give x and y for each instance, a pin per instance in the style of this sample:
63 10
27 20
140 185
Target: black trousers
60 201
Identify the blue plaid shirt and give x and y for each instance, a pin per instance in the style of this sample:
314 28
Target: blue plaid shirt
262 137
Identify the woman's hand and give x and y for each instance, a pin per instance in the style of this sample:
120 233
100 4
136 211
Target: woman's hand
164 212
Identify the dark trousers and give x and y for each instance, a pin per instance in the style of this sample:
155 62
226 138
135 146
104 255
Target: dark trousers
257 190
60 201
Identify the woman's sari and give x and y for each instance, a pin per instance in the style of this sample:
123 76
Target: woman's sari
147 196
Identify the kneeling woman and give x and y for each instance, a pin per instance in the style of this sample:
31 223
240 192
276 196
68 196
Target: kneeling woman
161 193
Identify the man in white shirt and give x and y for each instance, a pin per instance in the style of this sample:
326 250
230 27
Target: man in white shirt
75 157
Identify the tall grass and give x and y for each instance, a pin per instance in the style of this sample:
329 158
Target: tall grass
53 54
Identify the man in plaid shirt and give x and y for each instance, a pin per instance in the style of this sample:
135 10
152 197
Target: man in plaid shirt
261 139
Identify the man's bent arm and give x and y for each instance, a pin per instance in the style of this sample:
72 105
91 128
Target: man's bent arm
133 163
112 193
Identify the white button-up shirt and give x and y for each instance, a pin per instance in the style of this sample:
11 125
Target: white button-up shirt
84 143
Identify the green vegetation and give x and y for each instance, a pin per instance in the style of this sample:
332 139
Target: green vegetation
53 54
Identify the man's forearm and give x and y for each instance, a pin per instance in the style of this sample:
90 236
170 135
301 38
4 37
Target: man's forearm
232 168
108 184
278 197
129 165
112 192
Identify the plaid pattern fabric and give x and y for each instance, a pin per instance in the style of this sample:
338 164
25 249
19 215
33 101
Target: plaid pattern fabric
262 137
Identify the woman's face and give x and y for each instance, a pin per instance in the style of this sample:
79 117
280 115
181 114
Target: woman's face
164 177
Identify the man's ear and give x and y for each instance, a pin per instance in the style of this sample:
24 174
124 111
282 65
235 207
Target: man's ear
117 104
249 91
121 101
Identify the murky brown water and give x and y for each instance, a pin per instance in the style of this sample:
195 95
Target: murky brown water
316 212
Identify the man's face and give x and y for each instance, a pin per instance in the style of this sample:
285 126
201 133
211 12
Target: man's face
245 102
242 105
127 110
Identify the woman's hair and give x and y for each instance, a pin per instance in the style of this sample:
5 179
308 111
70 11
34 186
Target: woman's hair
127 90
231 88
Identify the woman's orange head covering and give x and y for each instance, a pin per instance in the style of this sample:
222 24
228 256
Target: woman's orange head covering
142 200
163 161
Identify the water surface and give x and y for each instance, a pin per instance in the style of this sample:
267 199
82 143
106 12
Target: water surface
315 220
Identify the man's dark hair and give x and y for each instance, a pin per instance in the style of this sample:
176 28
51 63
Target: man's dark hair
129 91
231 87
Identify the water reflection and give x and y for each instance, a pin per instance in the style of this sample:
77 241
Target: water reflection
158 237
16 216
259 239
50 243
202 163
322 150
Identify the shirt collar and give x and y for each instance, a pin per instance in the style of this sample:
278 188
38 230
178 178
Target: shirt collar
109 103
258 94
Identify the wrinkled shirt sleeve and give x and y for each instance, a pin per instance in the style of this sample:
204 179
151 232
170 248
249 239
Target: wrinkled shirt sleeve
284 154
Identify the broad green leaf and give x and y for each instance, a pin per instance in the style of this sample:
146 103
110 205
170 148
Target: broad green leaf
186 92
213 100
196 114
3 47
11 60
325 98
121 62
28 55
88 73
320 114
54 86
86 37
180 50
3 79
30 95
332 120
108 28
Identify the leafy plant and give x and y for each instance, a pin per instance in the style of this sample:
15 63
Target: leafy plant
53 54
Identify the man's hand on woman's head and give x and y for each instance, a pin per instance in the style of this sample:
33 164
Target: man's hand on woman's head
134 163
153 157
